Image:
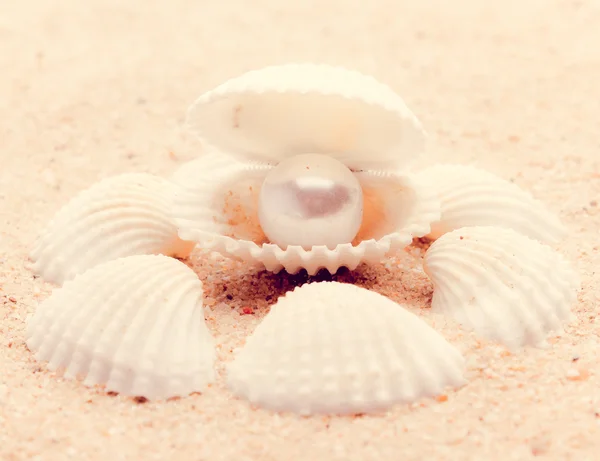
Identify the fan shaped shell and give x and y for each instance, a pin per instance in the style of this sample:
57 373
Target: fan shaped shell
280 111
120 216
215 203
471 196
502 284
337 348
135 325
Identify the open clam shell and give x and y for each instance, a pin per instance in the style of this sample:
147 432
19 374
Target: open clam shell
135 325
120 216
215 203
280 111
337 348
471 196
502 284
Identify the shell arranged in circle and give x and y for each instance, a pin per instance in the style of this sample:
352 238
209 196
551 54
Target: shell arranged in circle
279 111
336 348
215 204
135 325
502 284
471 196
120 216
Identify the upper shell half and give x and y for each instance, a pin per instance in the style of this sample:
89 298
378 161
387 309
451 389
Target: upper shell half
470 196
502 284
135 325
119 216
337 348
215 203
276 112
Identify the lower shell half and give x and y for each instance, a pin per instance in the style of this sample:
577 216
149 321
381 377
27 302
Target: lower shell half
216 200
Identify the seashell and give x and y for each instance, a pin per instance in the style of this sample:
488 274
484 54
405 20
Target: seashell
502 284
471 196
120 216
135 325
336 348
215 204
280 111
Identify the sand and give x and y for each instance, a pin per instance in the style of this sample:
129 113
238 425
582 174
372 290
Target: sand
95 88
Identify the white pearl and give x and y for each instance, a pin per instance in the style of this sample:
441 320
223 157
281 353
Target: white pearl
310 200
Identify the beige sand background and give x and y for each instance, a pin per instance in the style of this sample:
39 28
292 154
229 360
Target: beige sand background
99 87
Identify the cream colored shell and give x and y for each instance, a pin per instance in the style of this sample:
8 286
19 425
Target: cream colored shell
215 204
505 286
120 216
471 196
280 111
337 348
135 325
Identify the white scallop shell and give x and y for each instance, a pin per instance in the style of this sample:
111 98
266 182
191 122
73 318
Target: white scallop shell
135 325
216 205
502 284
336 348
471 196
120 216
280 111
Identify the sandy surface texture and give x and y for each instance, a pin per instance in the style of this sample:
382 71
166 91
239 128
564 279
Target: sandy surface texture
94 88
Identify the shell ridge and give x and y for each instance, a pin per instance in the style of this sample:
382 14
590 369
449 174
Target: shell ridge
98 211
191 324
538 300
166 312
131 223
456 292
133 309
348 371
63 342
60 250
503 217
415 374
117 317
88 333
105 345
532 262
518 284
465 188
89 258
148 350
